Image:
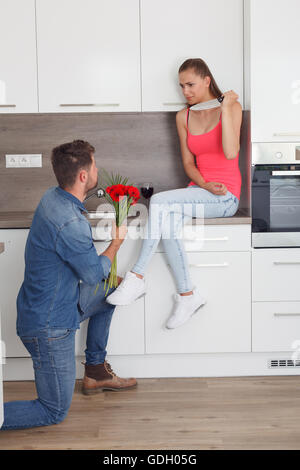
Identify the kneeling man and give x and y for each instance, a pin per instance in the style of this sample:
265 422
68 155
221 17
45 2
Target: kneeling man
62 272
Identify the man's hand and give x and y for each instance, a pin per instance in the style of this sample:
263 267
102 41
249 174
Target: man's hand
118 233
215 188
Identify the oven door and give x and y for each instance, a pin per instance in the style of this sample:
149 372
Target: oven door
276 205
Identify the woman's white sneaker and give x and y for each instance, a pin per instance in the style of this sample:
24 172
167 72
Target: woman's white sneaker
129 290
185 307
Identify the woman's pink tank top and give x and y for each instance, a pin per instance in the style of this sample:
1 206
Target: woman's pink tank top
211 161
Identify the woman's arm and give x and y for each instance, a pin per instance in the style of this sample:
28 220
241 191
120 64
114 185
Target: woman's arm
188 159
231 124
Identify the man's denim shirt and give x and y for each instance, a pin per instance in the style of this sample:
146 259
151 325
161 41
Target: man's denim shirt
59 253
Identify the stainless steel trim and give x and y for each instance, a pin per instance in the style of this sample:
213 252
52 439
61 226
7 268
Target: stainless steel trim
89 104
285 173
8 105
210 265
273 152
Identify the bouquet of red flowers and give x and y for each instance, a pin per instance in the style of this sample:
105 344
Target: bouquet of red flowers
122 197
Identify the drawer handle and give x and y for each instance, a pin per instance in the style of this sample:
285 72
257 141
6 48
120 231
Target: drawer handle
7 105
221 239
89 104
210 265
285 262
286 314
279 134
174 104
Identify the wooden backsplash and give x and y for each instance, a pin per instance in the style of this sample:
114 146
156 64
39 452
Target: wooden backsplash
142 146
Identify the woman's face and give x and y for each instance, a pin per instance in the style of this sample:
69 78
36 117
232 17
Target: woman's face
194 88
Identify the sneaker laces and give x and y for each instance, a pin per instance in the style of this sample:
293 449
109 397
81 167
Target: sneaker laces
109 369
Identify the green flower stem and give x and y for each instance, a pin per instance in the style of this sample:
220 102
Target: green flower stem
122 208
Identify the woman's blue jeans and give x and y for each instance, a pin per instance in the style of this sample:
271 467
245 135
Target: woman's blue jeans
53 354
168 212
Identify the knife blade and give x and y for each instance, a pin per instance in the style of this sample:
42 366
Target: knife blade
208 104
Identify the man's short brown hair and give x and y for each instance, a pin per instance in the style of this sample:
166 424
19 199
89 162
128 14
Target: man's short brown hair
67 159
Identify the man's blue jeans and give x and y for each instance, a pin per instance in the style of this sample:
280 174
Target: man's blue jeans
53 355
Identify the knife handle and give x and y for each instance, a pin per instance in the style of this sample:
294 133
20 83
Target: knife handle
220 99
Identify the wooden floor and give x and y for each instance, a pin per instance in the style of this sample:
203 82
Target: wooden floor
195 414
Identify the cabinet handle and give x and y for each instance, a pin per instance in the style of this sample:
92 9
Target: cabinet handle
285 262
221 239
7 105
286 314
210 265
279 134
174 104
89 104
102 239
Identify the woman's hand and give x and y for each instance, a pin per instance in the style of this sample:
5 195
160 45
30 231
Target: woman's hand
230 97
215 188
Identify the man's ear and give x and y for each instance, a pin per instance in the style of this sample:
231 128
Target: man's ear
83 176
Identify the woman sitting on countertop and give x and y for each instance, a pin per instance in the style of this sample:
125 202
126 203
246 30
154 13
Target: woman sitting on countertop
212 136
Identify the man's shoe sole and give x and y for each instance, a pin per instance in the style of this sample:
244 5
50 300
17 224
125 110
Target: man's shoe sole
94 391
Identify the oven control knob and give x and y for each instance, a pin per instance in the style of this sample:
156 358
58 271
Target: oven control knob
278 155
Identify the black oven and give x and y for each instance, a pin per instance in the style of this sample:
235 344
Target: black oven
276 205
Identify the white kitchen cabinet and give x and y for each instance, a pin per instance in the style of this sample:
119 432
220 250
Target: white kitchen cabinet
276 274
88 55
11 274
18 68
275 71
223 324
173 31
126 334
275 326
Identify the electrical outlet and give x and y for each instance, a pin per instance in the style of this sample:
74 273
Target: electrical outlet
24 161
12 161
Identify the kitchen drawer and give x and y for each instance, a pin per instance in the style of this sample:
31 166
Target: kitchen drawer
276 274
217 238
275 326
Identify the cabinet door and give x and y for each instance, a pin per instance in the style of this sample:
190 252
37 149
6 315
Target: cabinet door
11 274
173 31
223 324
275 71
275 274
126 334
18 68
88 55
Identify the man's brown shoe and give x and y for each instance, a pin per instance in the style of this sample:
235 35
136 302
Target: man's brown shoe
101 377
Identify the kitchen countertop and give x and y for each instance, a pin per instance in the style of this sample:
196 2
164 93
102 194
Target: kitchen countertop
24 219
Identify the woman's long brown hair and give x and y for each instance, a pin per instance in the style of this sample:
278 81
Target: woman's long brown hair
201 68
